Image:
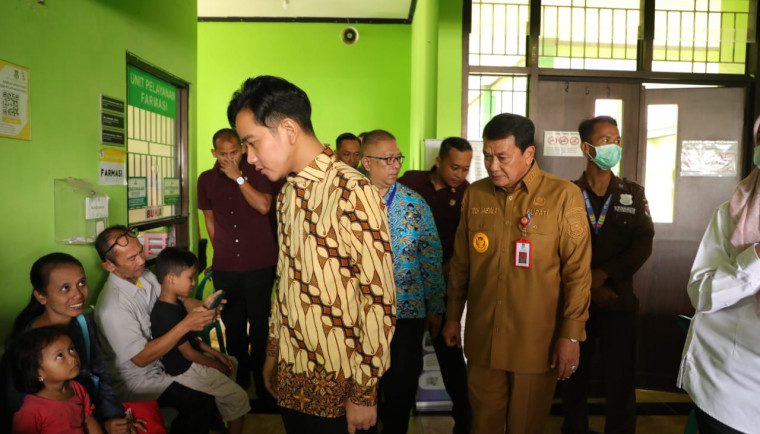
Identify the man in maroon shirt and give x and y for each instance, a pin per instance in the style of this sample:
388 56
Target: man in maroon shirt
347 147
236 200
443 187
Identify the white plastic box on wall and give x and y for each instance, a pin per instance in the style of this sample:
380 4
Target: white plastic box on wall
81 211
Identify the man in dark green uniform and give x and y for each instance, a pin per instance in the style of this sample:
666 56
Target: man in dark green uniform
621 241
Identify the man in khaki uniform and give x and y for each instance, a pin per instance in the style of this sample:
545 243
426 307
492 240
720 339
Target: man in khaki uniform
522 264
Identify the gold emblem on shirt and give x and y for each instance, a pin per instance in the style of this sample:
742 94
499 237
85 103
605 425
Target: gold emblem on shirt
577 218
452 202
480 242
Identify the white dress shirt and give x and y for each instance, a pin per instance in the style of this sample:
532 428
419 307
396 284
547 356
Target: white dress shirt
720 368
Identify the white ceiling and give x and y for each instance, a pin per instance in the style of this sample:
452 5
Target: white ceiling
311 10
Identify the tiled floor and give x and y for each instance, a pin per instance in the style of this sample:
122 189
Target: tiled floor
272 424
659 413
656 402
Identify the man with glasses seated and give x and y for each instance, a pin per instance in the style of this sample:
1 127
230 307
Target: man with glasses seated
417 270
122 314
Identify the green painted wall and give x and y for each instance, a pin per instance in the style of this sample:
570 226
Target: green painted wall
449 121
436 75
424 79
75 50
351 87
396 77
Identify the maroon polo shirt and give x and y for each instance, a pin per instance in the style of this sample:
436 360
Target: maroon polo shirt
445 203
243 238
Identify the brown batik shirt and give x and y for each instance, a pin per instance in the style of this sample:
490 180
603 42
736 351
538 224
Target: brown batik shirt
334 311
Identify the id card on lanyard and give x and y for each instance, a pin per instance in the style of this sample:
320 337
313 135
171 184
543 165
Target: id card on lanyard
523 247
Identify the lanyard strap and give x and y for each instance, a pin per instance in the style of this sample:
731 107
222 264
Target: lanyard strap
391 195
596 225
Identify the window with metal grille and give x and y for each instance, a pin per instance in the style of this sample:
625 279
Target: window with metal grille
703 36
499 32
490 95
157 165
589 34
153 148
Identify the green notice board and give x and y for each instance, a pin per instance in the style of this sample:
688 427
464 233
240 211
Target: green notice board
137 192
171 191
150 93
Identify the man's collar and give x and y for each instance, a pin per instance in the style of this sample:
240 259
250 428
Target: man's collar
433 172
127 285
316 170
393 187
529 180
582 182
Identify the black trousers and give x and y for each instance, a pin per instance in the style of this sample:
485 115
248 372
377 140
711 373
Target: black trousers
197 410
249 301
302 423
454 373
398 387
615 335
709 425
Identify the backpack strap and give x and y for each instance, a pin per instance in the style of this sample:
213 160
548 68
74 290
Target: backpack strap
85 333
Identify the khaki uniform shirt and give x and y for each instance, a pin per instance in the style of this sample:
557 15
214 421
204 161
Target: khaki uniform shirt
514 315
334 310
624 241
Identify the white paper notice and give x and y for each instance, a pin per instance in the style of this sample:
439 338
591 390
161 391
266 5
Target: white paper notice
715 158
562 144
96 207
112 166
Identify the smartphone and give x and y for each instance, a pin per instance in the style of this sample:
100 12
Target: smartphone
217 300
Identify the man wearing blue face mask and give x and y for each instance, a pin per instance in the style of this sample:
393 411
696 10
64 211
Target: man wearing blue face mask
621 241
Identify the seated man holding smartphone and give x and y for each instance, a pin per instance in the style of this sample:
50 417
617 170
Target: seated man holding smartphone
191 362
130 350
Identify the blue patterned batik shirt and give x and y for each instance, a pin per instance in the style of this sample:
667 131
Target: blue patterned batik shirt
416 254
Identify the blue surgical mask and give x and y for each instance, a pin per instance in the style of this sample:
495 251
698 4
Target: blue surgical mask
756 156
607 156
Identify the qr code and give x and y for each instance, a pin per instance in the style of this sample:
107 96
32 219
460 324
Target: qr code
10 104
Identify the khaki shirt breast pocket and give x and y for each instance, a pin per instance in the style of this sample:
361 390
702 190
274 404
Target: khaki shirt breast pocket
543 233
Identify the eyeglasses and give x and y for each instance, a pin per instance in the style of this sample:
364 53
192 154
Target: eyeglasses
121 240
390 161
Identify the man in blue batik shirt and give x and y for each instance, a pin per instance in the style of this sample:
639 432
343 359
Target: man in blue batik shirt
420 287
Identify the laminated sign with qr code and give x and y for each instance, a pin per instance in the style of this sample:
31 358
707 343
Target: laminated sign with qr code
14 101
